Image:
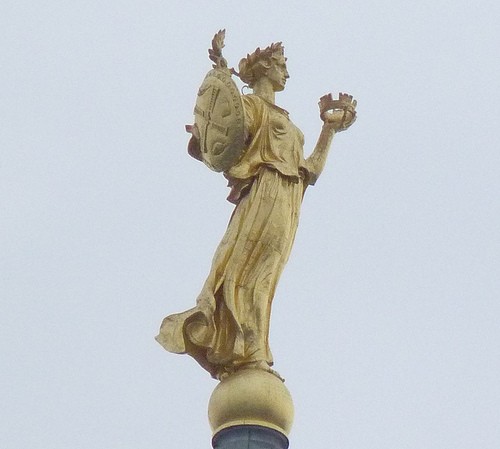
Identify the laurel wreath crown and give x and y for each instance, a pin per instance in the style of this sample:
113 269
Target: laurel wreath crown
249 67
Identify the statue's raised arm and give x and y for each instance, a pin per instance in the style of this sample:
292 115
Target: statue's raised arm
337 115
260 151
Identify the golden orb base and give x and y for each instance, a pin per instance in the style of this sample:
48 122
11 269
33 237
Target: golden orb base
251 397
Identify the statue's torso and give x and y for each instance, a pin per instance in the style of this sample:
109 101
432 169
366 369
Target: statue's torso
274 141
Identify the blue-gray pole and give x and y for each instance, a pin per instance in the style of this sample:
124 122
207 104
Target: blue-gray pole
249 437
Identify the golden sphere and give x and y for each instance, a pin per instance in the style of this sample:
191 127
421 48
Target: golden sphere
251 397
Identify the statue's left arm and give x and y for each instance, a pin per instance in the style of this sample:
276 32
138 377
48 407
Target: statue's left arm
315 163
337 115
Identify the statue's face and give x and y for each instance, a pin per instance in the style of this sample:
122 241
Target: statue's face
278 74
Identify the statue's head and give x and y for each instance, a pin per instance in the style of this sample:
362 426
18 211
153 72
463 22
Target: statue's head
270 62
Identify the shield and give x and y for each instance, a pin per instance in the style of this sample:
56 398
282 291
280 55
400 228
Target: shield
219 118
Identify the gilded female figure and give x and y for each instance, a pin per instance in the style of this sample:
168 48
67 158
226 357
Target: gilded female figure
228 329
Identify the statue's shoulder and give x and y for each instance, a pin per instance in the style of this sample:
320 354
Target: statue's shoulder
251 98
253 101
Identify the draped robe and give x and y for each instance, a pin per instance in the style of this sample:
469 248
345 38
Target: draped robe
229 326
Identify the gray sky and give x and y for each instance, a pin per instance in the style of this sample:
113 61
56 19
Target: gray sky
386 320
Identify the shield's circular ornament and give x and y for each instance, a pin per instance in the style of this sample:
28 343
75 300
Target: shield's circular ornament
220 120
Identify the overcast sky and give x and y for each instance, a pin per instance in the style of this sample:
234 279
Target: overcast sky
386 320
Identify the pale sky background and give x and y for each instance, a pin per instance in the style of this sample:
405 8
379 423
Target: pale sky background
386 320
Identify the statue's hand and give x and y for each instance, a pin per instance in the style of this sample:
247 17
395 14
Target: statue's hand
338 114
194 149
193 130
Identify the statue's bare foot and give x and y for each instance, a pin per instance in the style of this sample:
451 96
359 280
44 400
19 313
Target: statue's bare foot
227 371
264 366
224 372
278 375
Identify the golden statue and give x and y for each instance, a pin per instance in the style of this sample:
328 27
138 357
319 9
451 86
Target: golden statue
260 151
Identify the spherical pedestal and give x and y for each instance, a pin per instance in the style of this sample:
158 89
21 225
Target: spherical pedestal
251 397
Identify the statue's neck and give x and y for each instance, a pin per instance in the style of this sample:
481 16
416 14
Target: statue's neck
264 89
